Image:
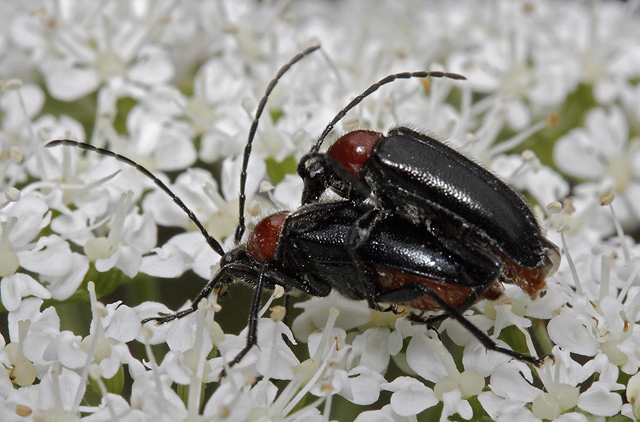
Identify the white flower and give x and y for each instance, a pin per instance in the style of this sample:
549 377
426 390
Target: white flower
156 399
604 45
57 394
602 152
363 385
562 393
272 358
528 175
20 104
16 286
85 49
386 414
113 404
192 187
174 85
515 66
51 257
316 311
599 319
214 109
599 149
371 349
410 396
118 324
127 239
163 138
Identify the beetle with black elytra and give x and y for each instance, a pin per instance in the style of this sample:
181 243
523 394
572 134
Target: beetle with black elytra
322 246
414 175
313 250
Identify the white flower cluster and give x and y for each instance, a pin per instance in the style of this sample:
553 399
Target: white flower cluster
172 84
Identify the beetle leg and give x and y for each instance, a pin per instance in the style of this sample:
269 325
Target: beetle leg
252 329
326 166
415 290
473 298
287 306
356 237
221 277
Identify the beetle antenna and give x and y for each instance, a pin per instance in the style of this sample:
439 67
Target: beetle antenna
215 245
373 88
252 133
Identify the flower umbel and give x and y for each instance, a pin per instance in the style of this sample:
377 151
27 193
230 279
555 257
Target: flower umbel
550 105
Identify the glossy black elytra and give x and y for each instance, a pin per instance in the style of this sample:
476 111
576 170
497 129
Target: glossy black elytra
352 247
425 181
317 248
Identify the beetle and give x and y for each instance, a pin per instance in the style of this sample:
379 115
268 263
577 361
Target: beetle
427 182
254 125
348 245
316 249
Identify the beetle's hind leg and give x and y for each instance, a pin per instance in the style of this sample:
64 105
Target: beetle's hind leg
415 290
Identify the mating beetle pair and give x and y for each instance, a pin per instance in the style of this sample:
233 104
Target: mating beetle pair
428 183
419 226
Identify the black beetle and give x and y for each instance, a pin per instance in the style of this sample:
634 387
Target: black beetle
427 182
252 132
318 248
349 245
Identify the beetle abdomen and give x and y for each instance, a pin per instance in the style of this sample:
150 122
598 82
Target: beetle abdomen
455 295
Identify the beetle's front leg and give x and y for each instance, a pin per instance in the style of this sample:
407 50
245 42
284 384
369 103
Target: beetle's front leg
219 278
320 171
252 329
357 236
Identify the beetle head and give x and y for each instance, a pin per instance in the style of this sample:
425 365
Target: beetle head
314 172
237 255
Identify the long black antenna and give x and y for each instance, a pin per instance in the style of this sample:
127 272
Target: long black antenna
252 133
215 245
373 88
